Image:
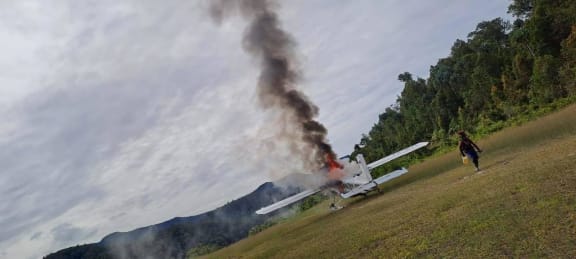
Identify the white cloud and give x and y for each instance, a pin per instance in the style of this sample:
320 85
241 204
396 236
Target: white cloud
123 114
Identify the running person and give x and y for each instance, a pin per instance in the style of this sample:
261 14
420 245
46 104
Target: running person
469 148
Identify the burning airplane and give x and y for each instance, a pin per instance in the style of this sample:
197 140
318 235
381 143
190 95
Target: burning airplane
350 181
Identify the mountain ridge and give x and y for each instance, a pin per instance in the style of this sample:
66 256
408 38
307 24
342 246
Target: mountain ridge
175 237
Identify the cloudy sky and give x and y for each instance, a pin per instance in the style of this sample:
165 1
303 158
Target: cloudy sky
121 114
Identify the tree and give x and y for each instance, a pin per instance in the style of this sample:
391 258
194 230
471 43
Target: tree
545 86
568 69
521 8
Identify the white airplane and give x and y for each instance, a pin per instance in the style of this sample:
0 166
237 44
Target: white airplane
359 182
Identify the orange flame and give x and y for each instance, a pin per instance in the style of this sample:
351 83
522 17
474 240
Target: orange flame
334 168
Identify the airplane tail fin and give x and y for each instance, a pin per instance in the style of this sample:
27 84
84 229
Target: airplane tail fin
363 167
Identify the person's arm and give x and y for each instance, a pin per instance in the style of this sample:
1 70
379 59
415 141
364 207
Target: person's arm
475 146
460 146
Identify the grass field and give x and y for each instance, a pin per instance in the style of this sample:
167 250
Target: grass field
522 204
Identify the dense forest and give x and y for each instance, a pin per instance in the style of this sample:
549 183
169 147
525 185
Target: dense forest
502 72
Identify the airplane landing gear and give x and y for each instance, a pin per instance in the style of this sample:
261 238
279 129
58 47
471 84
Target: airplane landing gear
333 205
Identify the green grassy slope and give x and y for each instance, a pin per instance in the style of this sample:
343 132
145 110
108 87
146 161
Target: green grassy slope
523 204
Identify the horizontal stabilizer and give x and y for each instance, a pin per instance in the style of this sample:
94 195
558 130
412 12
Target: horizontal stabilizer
397 155
390 176
359 190
365 188
287 201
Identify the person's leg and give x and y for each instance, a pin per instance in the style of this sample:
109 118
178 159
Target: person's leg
472 155
476 163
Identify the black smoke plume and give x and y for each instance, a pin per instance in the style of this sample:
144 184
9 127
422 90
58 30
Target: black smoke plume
277 87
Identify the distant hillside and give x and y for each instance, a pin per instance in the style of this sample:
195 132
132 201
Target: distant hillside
173 238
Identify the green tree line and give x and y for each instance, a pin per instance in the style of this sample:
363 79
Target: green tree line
502 71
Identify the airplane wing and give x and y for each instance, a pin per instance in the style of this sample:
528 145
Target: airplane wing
373 184
396 155
287 201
